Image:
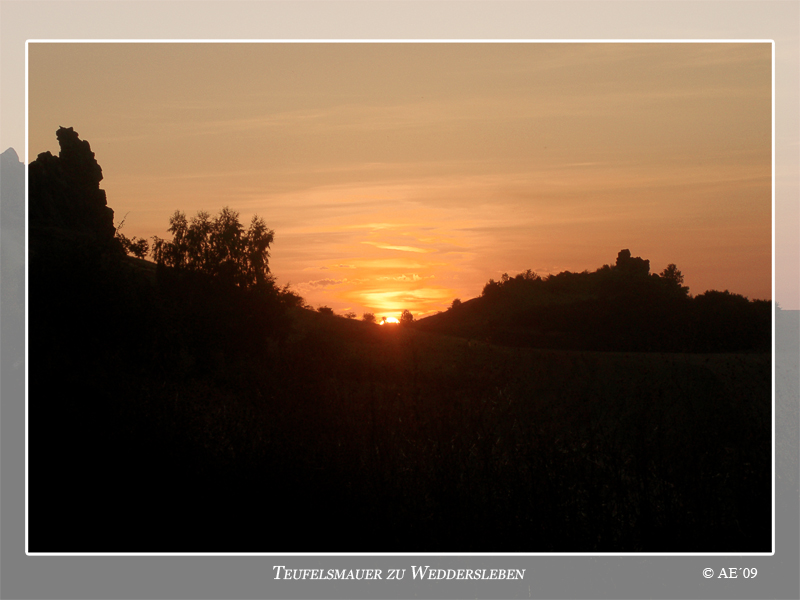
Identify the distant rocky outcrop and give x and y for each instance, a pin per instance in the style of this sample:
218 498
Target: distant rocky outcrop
64 192
632 265
12 288
12 190
12 210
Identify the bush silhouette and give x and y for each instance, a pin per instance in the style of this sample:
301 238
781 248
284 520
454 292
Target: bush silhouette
133 246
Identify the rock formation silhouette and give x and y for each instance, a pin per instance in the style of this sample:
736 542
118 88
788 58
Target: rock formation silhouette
64 191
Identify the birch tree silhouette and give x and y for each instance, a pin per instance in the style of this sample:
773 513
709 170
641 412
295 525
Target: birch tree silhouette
219 247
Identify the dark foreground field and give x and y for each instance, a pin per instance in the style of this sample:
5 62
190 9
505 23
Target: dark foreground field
347 437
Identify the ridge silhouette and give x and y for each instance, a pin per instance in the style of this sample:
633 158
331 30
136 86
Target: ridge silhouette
622 307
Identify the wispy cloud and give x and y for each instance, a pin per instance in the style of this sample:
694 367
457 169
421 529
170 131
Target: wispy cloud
423 299
400 248
405 277
322 283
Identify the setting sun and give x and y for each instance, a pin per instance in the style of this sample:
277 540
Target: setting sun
389 321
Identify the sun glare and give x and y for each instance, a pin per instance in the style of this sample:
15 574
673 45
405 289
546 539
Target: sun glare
389 321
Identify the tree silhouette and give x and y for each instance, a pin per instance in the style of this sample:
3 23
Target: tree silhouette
218 247
368 317
673 280
406 318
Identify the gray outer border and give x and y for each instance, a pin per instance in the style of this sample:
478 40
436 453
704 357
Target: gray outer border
24 576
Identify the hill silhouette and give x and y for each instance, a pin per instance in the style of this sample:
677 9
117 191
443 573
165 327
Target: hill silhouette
186 409
620 307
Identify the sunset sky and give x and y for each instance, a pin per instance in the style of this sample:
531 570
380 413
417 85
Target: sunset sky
404 175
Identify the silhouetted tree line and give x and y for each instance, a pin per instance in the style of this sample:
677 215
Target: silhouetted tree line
621 307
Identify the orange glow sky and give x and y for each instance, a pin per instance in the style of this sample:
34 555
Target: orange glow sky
406 175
